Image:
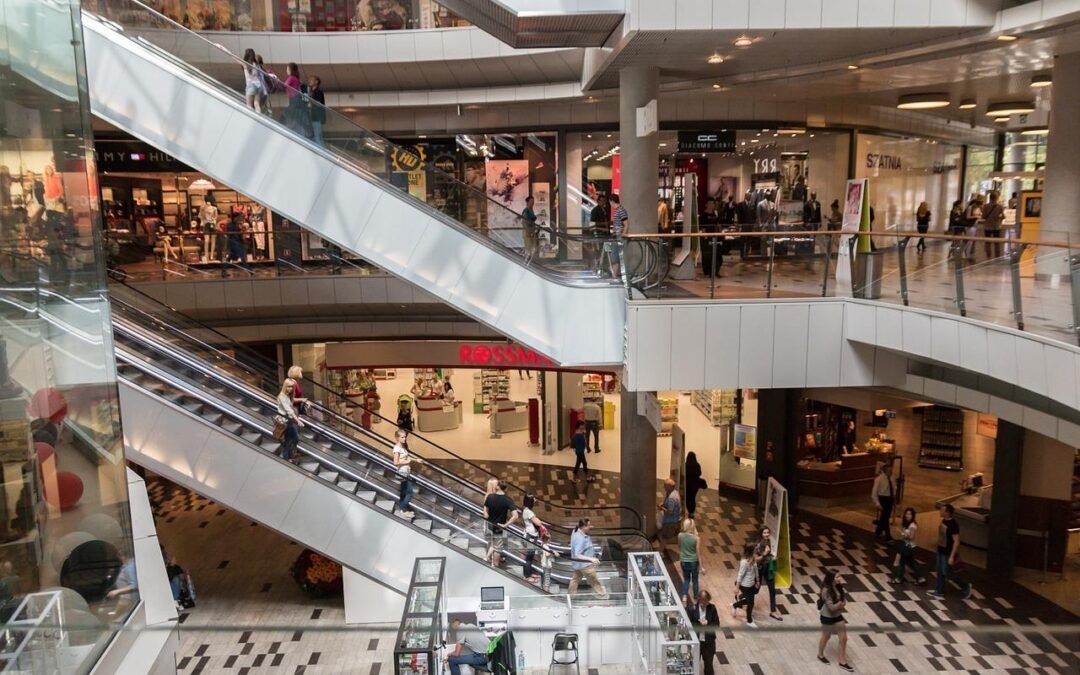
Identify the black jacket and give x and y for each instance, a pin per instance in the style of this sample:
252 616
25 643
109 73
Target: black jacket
712 619
318 112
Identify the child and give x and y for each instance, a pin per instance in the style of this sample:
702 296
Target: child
578 443
547 555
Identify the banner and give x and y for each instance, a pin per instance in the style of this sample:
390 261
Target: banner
745 441
507 190
856 212
776 519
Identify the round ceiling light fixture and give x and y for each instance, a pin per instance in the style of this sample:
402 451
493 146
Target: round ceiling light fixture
1040 81
1035 131
923 101
1006 108
744 41
715 59
967 104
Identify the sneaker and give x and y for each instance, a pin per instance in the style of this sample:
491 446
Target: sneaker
935 594
967 593
751 624
823 659
921 582
846 666
894 580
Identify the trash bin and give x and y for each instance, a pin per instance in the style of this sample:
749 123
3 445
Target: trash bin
866 275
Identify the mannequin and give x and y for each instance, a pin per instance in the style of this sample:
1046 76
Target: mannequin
812 212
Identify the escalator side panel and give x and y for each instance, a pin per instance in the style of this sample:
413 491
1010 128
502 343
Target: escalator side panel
179 447
143 94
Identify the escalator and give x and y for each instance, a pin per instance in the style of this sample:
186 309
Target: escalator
537 285
174 380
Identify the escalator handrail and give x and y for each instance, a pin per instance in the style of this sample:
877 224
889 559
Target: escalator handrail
580 280
272 366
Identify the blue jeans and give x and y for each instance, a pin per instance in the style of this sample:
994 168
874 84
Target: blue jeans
944 571
316 132
406 493
690 575
466 659
174 583
291 440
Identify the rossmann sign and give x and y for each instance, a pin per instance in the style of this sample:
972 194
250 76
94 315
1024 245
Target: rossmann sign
501 355
433 354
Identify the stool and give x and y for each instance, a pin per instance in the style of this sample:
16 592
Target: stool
568 644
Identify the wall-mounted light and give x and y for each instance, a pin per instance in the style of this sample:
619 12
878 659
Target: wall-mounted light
1040 81
923 101
1006 108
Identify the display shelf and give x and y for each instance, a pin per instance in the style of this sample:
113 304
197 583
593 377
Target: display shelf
385 373
669 414
942 444
718 405
484 383
592 388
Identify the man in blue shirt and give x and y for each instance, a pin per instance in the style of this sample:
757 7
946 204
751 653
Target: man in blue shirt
583 558
579 443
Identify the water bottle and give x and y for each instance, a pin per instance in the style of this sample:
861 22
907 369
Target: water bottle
520 660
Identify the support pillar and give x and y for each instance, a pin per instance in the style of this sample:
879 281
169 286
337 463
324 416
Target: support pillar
1005 500
640 157
1061 199
778 423
637 457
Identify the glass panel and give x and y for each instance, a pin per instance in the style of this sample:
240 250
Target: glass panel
422 600
429 571
416 633
64 519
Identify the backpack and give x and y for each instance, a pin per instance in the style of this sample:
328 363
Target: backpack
501 654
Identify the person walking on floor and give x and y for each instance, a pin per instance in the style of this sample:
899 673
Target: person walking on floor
766 561
883 495
832 602
530 232
584 560
694 483
922 224
317 105
500 513
669 512
993 218
287 411
905 549
747 583
689 561
972 215
403 460
593 414
948 553
579 443
705 614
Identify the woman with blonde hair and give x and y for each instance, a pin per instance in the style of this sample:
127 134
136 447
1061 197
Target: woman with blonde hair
689 561
286 412
296 373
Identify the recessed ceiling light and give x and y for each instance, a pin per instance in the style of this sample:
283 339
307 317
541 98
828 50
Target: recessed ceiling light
1035 131
715 58
1006 108
1001 120
753 140
744 41
923 101
1006 38
967 104
716 86
1041 81
792 131
852 66
663 145
609 135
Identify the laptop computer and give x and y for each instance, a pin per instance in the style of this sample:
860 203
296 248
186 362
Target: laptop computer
492 598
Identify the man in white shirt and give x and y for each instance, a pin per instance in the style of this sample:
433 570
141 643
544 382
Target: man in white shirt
593 413
883 494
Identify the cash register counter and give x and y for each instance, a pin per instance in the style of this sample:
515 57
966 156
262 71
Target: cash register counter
604 628
828 483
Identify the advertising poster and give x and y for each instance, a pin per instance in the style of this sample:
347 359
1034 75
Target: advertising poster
507 190
745 441
776 519
1030 223
418 185
790 212
854 196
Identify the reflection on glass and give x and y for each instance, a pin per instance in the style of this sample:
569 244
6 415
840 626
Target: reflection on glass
428 571
422 599
64 520
417 633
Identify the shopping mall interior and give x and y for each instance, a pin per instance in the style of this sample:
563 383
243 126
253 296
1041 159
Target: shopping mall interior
341 336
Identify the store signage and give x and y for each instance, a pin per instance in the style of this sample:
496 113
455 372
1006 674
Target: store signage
876 161
134 156
501 355
765 165
707 141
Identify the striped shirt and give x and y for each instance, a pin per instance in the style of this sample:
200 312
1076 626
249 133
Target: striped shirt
619 219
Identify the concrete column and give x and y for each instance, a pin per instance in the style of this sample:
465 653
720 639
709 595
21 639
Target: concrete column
571 200
1061 199
778 422
637 456
640 157
1005 500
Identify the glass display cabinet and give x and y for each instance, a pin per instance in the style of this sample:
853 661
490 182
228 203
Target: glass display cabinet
419 637
666 640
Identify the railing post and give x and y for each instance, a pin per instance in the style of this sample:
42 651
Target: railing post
768 281
1017 298
828 261
851 260
1074 277
902 249
958 272
712 272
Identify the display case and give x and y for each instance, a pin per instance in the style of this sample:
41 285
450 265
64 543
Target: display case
420 635
487 382
665 636
942 444
592 388
669 413
716 404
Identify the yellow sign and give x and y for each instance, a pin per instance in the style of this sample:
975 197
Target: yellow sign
1030 221
403 159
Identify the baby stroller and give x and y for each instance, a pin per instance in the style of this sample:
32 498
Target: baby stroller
404 415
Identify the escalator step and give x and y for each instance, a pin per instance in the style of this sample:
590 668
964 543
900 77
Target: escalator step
460 541
441 533
329 476
232 427
251 436
423 523
347 485
193 406
366 495
173 396
310 467
214 418
478 552
385 504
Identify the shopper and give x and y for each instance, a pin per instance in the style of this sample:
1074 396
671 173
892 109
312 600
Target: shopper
993 218
766 561
235 231
972 215
710 222
530 231
956 229
547 558
253 83
286 413
448 395
584 560
836 217
579 443
883 495
948 554
403 460
270 84
694 483
533 527
500 513
905 549
669 512
620 223
922 224
471 648
747 583
705 614
599 228
689 561
593 413
832 602
296 115
183 590
317 108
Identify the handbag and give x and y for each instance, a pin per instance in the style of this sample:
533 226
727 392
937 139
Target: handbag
280 424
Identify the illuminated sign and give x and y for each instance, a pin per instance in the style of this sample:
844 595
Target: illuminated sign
707 141
500 355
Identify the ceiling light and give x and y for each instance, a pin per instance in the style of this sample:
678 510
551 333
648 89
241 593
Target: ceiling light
1035 131
1041 81
716 86
715 58
967 104
791 130
1001 120
744 41
663 145
852 66
753 140
923 101
1006 38
1006 108
1021 144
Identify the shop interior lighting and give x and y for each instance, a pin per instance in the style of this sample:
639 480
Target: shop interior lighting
1001 120
967 104
791 130
201 184
716 86
1041 81
1006 108
1006 38
744 41
852 66
1035 131
715 59
923 101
